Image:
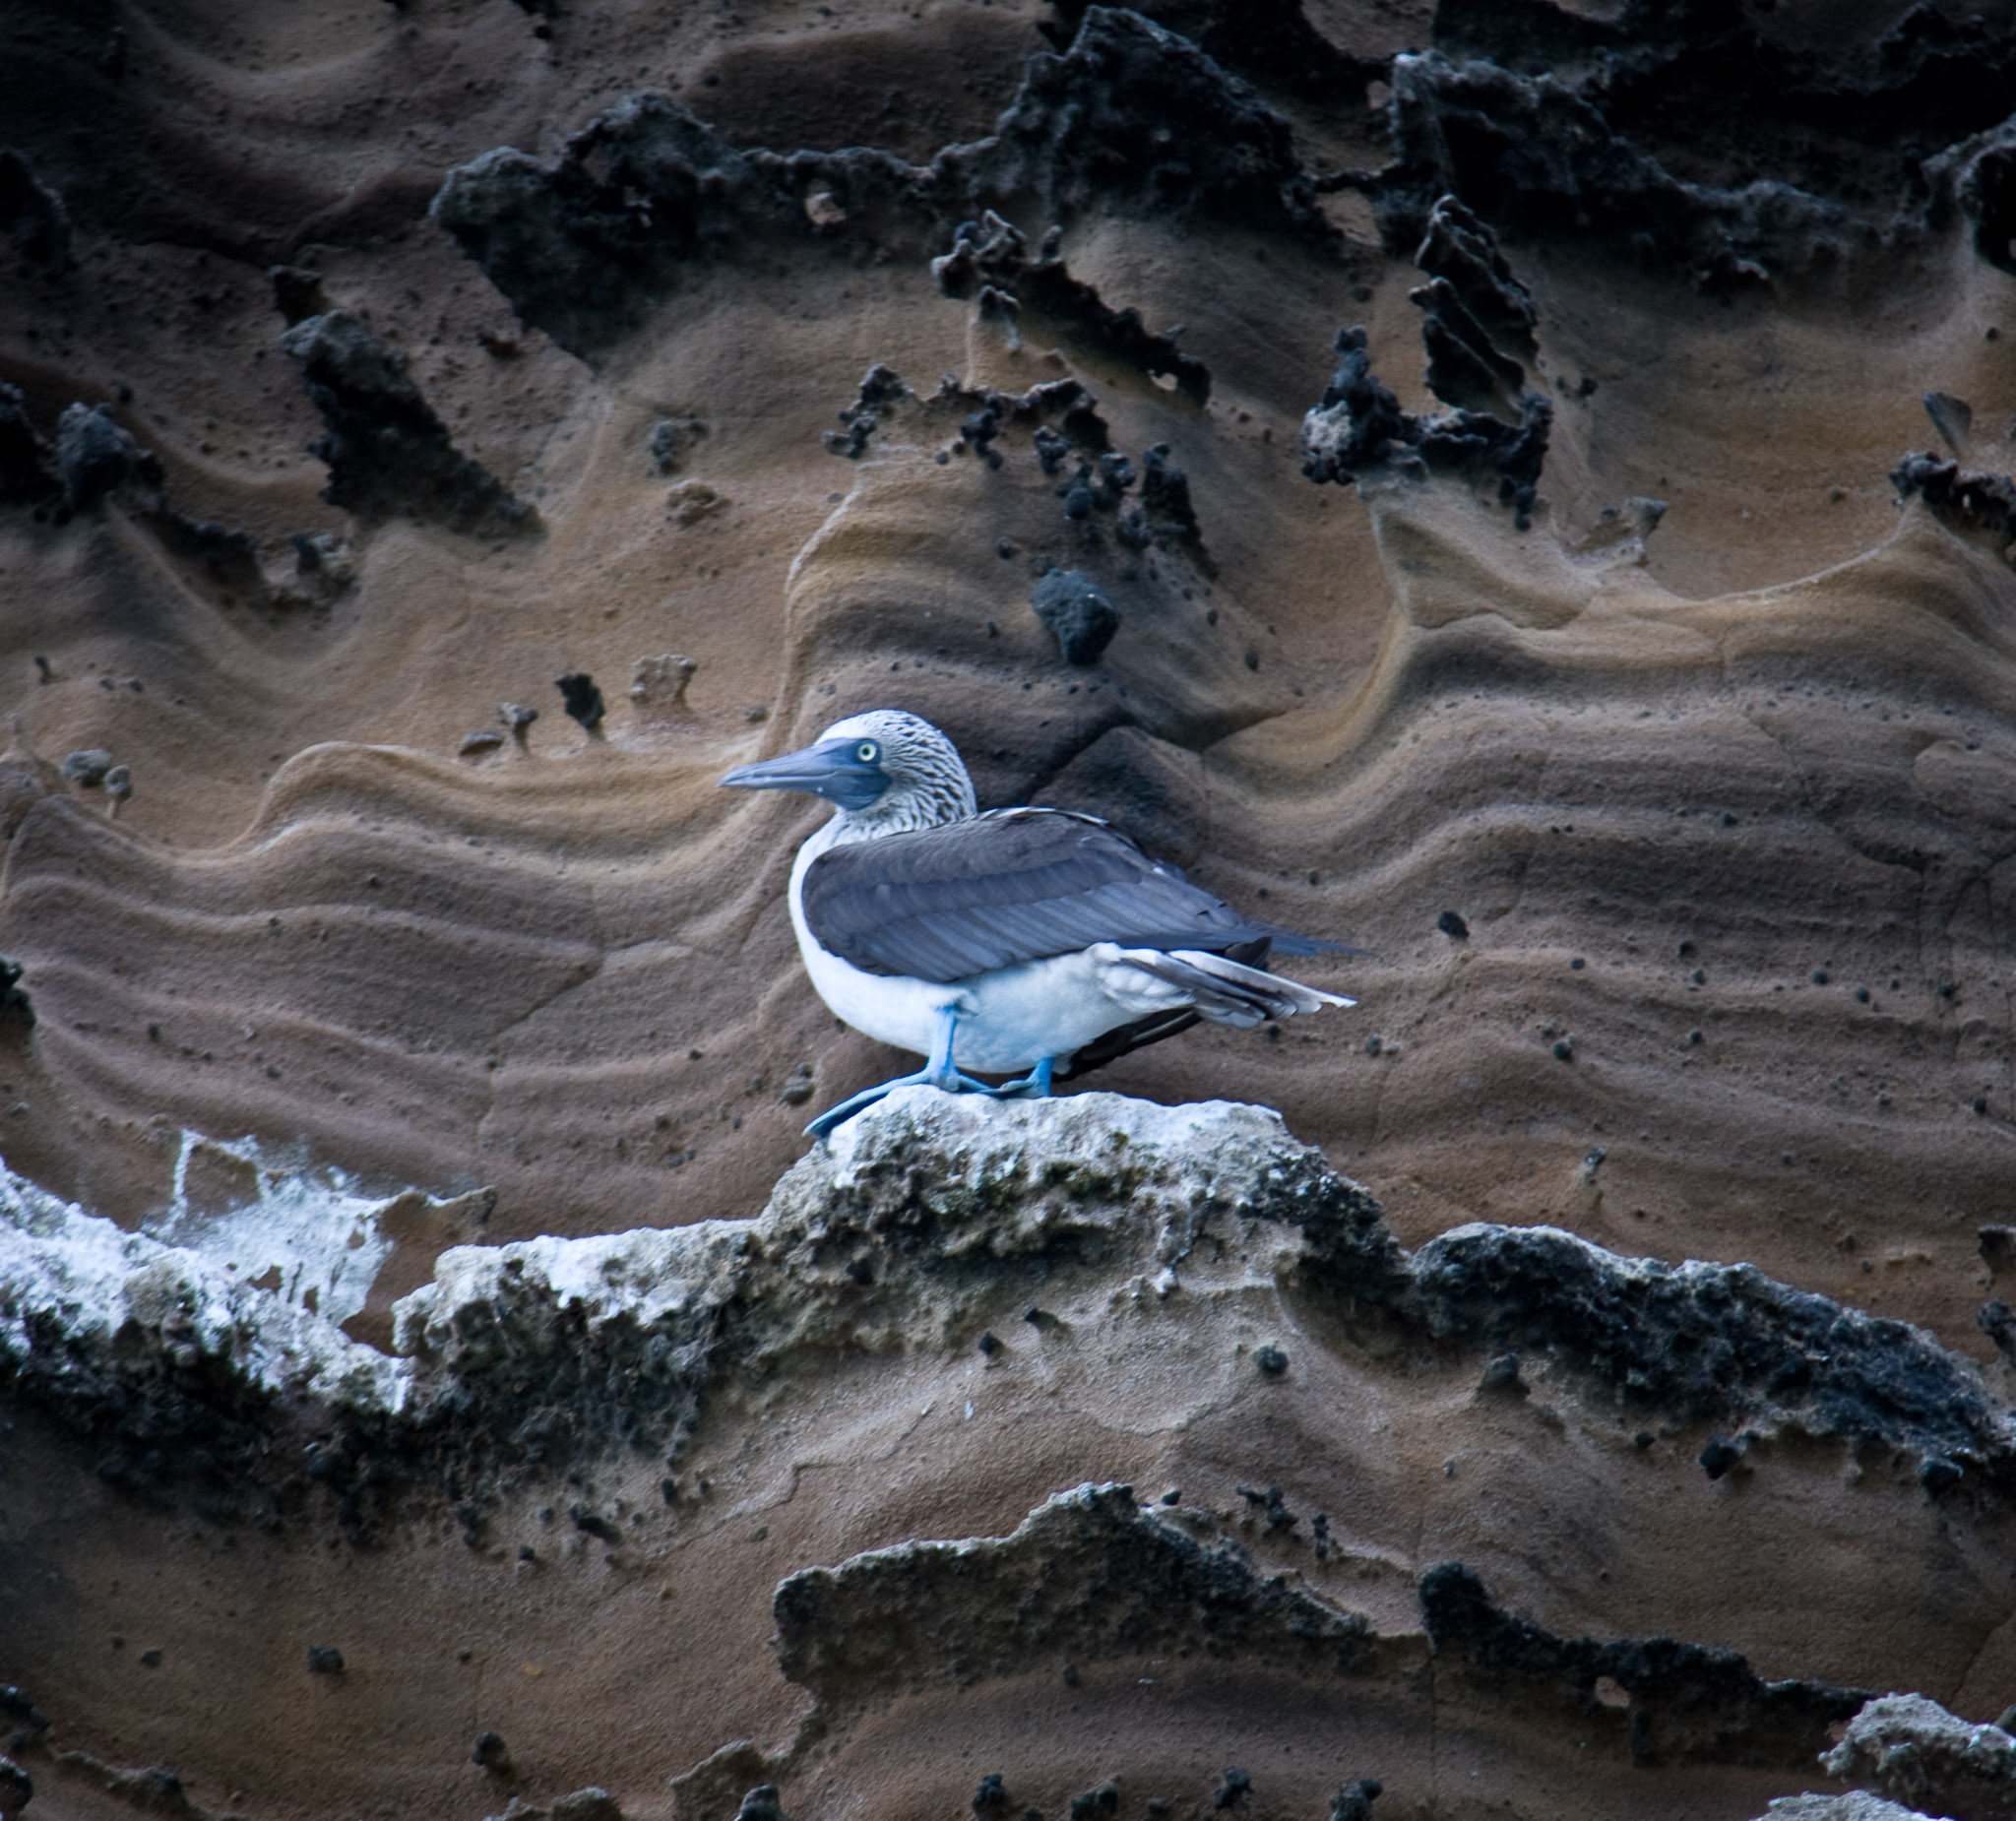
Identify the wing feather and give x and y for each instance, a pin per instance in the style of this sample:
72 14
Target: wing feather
1008 887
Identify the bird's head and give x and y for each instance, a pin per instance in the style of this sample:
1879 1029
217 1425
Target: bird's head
885 771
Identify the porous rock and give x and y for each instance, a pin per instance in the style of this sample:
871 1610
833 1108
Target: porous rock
658 685
1477 324
386 449
1088 1575
979 413
1080 618
1539 154
960 1199
1131 116
1686 1700
1967 501
993 254
94 455
1712 1342
1912 1749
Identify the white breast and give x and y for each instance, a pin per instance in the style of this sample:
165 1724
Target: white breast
1009 1019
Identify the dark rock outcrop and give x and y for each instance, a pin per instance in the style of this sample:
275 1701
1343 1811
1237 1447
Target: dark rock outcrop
1087 1576
1685 1701
1983 504
386 449
95 454
1477 324
975 415
992 256
1131 118
1711 1343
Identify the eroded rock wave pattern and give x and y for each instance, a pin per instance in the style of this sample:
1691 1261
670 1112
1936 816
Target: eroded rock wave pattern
1520 490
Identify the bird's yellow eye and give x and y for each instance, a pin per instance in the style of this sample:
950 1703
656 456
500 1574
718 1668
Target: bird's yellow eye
867 753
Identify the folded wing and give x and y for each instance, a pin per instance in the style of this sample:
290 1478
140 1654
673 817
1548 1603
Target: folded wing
1011 886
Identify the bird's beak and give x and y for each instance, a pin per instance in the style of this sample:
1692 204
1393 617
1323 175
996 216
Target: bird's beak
830 770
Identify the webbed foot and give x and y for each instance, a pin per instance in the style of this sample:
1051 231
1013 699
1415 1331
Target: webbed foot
1034 1085
949 1081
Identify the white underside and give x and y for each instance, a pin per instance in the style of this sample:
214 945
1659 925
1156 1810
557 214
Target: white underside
1010 1018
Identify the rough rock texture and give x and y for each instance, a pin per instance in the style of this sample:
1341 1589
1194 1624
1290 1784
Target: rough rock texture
1087 1576
384 449
1858 1805
1660 764
1913 1749
1716 1343
1681 1700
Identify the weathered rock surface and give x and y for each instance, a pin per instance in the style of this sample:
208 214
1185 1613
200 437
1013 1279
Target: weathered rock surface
1912 1749
1660 759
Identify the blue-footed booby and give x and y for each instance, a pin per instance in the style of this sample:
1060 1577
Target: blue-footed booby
1015 942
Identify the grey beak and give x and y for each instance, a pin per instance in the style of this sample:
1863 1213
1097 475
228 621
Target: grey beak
829 770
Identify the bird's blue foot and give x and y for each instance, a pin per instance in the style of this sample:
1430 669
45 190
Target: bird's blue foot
937 1073
1034 1085
952 1083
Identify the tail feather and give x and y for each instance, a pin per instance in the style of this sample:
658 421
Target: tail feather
1228 992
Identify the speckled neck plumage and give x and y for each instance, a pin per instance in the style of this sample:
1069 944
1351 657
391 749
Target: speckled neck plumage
933 790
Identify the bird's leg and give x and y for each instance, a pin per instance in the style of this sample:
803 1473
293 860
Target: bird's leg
937 1073
1034 1085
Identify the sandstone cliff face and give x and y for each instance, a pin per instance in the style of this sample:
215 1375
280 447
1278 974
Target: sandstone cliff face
1517 487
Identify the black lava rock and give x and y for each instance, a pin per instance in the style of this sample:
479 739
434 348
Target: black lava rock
1270 1361
490 1751
1353 1800
324 1659
94 455
1938 1475
581 698
991 259
386 449
1684 1698
33 212
591 1523
881 387
1720 1456
1080 619
1235 1786
1451 924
